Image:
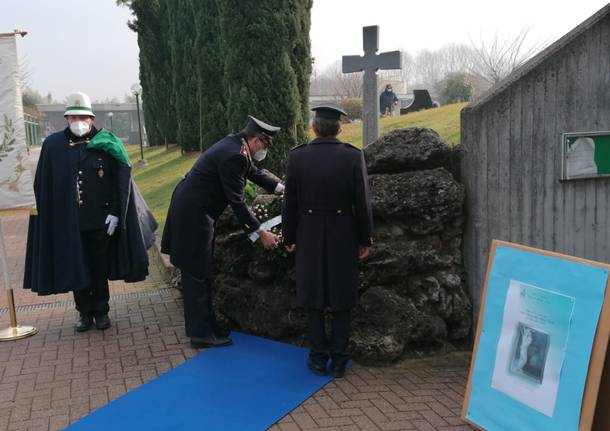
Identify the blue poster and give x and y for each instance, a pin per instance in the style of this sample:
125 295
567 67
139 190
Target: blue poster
539 322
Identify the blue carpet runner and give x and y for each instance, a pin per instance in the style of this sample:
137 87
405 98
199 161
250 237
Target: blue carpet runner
248 386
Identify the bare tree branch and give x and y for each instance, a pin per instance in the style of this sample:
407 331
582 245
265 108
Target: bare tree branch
497 59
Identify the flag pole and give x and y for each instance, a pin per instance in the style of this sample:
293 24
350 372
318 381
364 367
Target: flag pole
15 331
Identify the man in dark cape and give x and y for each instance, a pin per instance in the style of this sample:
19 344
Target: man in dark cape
87 229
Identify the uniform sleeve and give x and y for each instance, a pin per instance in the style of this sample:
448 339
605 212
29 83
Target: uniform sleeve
364 213
263 178
290 210
232 177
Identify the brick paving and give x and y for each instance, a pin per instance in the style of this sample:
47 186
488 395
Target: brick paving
58 376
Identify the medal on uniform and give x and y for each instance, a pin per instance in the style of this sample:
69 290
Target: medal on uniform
100 173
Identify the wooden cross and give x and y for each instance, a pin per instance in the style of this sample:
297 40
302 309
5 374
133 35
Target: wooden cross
370 63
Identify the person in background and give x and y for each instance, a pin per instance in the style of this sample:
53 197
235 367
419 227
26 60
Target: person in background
387 101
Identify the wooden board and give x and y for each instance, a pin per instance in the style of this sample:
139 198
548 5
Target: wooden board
595 392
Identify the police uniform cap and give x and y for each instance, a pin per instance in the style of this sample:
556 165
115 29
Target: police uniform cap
258 127
329 111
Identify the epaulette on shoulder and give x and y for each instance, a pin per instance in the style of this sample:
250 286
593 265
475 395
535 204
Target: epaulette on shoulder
298 147
352 146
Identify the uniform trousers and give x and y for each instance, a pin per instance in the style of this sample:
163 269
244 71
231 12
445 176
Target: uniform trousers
199 319
336 344
93 301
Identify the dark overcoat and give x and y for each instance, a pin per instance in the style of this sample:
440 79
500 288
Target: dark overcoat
217 179
55 260
327 214
386 101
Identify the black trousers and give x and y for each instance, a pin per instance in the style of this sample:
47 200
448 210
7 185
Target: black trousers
93 301
335 345
199 319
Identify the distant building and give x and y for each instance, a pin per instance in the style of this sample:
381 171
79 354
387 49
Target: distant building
124 119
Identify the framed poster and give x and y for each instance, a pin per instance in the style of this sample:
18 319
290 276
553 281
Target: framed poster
585 155
541 342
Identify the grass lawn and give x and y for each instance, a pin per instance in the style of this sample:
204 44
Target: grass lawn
165 168
445 120
158 179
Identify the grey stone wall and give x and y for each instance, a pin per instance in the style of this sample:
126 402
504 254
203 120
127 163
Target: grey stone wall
412 291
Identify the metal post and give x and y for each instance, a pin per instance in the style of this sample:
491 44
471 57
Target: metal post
14 332
139 127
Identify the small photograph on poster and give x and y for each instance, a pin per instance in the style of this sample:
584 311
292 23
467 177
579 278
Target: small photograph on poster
532 345
529 357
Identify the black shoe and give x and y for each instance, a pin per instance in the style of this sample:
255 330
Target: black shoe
210 341
102 322
317 369
338 371
84 323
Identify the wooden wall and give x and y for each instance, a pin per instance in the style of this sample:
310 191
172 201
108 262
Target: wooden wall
512 161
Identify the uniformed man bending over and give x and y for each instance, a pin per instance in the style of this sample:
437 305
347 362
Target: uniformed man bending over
327 221
216 180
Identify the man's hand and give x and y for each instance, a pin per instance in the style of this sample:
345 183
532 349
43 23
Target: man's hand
268 239
112 222
363 251
290 248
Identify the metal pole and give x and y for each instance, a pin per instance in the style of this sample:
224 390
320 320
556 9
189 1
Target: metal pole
14 332
139 126
111 127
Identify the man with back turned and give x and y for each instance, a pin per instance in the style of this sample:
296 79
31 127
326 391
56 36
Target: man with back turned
327 222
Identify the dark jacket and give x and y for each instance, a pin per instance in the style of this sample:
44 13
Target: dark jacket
217 179
97 188
327 214
55 260
386 101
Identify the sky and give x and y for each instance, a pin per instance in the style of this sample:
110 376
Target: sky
85 45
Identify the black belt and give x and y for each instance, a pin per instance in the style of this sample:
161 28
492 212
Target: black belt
328 212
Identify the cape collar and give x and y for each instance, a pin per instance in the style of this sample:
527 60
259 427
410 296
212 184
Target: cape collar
326 141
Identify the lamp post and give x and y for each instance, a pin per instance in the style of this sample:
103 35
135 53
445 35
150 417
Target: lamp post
110 115
136 89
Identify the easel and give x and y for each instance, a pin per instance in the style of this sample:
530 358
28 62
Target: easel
594 412
14 331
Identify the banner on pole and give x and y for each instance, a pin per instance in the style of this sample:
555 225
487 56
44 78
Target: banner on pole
16 191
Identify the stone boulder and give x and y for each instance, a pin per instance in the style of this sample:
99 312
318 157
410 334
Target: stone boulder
412 291
403 150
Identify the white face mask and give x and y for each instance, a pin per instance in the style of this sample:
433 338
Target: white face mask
80 128
260 155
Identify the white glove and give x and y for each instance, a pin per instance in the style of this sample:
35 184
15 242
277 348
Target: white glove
112 222
279 189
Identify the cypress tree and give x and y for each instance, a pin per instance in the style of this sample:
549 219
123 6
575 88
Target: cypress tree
301 60
258 40
150 24
210 69
185 100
